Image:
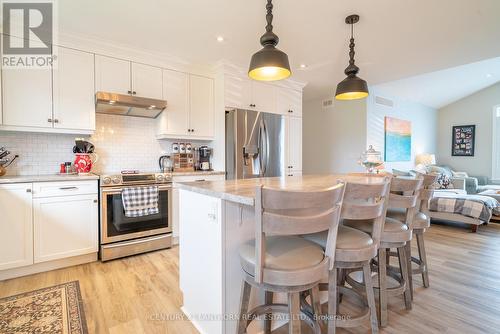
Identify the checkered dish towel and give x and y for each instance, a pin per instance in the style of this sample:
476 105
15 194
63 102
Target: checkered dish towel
140 201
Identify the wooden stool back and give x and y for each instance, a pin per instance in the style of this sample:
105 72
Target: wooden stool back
367 202
287 212
404 194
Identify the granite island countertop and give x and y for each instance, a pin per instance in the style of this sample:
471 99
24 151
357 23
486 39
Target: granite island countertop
46 178
243 191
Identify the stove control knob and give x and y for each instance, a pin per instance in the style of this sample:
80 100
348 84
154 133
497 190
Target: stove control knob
116 180
160 178
106 180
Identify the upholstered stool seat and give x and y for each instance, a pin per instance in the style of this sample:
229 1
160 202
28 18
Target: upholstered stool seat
420 221
394 229
349 241
283 253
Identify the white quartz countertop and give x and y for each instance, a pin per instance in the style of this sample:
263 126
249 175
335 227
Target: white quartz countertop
243 191
198 172
45 178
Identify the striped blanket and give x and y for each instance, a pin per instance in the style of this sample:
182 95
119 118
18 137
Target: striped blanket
474 206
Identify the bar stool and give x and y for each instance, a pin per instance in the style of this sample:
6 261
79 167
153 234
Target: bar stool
396 234
355 249
278 260
421 222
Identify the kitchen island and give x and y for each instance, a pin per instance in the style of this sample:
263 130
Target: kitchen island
215 219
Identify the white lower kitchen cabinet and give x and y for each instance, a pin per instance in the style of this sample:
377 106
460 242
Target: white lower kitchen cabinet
65 226
16 228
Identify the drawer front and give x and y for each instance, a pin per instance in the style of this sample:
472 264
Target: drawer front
64 188
194 178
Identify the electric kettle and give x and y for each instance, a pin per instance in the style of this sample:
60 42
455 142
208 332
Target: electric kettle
165 164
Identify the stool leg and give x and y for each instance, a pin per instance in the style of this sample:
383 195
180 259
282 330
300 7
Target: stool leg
332 301
316 304
245 300
409 266
403 266
294 313
382 283
370 297
267 319
423 258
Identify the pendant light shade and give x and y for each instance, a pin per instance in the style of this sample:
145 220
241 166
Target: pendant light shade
269 63
352 87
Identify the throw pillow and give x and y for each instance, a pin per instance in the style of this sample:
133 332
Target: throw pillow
444 182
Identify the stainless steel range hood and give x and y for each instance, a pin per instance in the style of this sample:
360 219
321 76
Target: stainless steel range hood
127 105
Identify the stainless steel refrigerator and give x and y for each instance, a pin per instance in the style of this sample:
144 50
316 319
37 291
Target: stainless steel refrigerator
255 144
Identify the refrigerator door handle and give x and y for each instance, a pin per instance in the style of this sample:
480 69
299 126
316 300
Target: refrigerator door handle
260 142
266 151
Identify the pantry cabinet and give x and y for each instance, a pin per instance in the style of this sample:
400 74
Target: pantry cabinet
64 226
124 77
16 237
190 112
293 130
73 85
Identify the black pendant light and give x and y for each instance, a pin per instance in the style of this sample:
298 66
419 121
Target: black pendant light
352 87
270 63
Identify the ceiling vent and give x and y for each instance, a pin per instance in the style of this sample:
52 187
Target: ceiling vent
384 102
327 103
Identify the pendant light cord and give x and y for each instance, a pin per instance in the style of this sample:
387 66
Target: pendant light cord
269 37
352 69
269 16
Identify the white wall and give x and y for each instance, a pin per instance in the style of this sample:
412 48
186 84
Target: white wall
121 143
423 124
475 109
334 137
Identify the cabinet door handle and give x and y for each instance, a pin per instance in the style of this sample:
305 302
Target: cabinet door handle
49 120
129 92
134 92
56 121
28 190
95 201
192 130
68 188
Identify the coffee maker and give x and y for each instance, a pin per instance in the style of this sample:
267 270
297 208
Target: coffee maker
203 154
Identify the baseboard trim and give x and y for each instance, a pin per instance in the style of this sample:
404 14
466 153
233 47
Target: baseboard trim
47 266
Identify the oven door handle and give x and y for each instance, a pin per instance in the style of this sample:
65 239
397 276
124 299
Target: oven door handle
118 190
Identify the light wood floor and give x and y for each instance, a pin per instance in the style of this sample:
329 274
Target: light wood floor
137 294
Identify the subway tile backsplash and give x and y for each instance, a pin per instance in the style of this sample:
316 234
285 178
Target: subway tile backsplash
121 143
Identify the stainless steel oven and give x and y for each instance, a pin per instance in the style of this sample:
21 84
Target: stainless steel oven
121 235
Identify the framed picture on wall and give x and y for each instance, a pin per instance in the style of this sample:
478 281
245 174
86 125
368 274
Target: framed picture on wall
463 140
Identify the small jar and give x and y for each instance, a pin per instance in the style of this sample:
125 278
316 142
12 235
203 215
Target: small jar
182 148
189 148
175 147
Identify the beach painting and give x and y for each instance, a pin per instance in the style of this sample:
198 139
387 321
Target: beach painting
397 139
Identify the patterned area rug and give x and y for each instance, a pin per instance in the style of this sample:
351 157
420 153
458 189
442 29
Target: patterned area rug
56 310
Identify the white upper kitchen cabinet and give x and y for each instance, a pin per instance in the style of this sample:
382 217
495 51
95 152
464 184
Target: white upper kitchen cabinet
190 112
174 120
147 81
73 82
289 101
201 106
65 226
294 144
263 97
112 75
237 92
27 97
16 234
244 93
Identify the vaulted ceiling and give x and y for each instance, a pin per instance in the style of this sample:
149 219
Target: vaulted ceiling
395 39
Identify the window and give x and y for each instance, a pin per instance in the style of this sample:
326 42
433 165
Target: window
496 143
